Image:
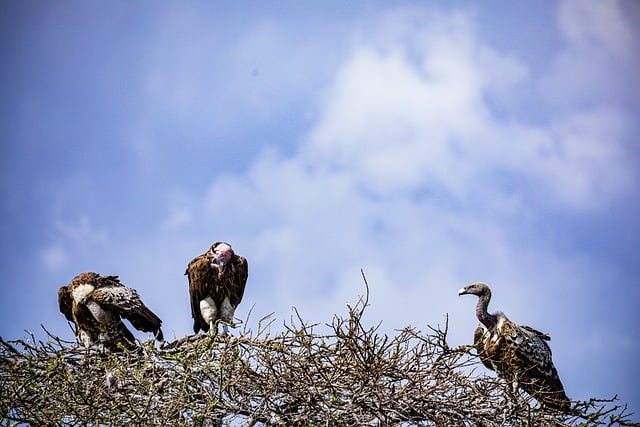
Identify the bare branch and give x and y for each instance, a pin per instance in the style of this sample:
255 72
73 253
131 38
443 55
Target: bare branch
351 375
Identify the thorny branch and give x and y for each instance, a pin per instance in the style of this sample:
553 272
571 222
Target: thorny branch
352 375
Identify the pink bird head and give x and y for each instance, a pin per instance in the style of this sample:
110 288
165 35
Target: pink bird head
223 253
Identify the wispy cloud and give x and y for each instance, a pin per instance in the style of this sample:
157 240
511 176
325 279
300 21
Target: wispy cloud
598 59
80 231
54 257
71 237
179 217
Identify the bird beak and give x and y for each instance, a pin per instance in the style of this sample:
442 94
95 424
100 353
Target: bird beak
462 291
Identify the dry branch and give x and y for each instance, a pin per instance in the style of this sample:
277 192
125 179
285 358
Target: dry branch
352 375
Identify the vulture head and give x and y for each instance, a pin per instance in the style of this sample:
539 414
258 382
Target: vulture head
482 291
223 253
477 288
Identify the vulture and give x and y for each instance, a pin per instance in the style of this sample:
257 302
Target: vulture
96 305
217 280
518 354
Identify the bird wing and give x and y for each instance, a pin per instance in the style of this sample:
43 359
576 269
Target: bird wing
65 301
240 275
126 302
201 277
532 355
530 351
526 349
541 335
95 280
107 281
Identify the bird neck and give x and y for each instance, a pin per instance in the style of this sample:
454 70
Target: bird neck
486 318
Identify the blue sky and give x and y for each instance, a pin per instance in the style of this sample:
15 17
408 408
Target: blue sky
431 146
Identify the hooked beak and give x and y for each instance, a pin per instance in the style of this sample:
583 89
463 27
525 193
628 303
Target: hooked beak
462 291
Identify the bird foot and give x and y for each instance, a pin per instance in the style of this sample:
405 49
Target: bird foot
213 329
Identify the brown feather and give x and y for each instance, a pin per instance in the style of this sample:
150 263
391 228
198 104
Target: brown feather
480 336
201 277
207 278
521 356
65 302
518 354
236 279
526 357
97 309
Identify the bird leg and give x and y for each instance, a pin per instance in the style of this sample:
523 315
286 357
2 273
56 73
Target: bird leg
213 327
514 404
85 338
209 314
227 311
514 387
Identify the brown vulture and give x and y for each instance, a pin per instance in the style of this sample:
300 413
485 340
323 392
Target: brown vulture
96 305
217 280
518 354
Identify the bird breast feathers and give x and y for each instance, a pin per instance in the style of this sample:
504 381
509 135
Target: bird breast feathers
82 292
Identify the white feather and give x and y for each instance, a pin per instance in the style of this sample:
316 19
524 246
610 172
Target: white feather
227 310
82 292
208 310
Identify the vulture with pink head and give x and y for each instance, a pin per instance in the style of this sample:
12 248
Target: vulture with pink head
217 280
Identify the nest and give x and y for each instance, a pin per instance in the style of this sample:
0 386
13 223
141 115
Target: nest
350 375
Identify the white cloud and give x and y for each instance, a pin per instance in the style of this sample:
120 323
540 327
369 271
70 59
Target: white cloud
587 166
397 126
178 218
599 60
72 239
598 28
54 257
80 231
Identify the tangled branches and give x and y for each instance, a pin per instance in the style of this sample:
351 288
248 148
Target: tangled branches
352 375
